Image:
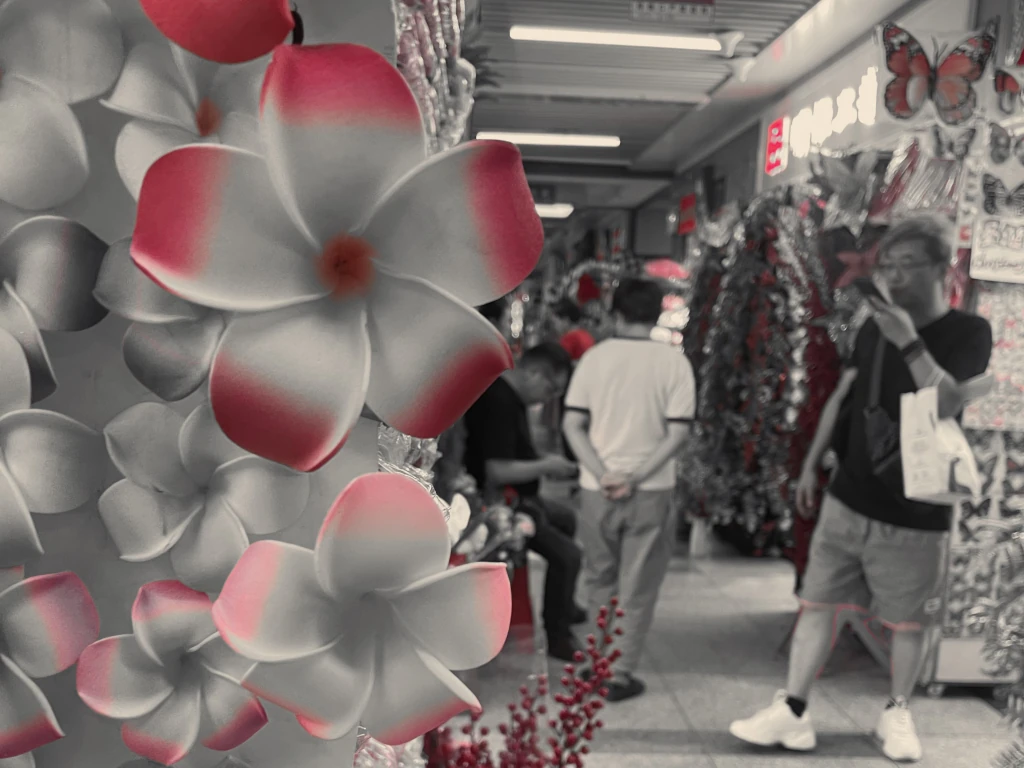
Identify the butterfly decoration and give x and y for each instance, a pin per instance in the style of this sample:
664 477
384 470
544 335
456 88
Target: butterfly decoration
948 84
987 470
1002 145
1014 442
999 201
955 147
1008 91
970 515
1013 482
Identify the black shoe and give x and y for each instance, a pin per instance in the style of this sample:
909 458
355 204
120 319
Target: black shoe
629 688
579 616
563 647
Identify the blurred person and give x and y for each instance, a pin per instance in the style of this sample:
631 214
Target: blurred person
627 410
873 548
500 454
566 320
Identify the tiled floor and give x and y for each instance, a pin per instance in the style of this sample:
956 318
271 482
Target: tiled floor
714 655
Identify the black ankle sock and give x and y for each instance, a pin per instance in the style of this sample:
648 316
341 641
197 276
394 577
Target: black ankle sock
799 706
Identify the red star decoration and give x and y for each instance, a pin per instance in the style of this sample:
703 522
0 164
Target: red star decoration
857 265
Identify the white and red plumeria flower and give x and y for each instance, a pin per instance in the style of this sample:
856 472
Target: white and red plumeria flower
46 622
53 53
173 679
365 627
353 260
176 99
190 491
170 343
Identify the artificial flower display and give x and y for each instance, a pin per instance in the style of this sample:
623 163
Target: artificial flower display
44 161
173 680
189 491
45 622
352 260
176 98
365 627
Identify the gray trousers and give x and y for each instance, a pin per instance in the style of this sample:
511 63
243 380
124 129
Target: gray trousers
627 547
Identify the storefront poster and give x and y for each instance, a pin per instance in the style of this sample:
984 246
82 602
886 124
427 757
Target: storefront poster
998 251
1003 306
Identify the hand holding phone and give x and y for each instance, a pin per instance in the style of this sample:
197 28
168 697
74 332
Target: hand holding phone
872 290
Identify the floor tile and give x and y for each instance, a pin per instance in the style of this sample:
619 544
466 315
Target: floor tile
644 760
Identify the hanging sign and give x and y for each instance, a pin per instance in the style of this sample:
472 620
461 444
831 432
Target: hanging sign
687 214
776 151
673 10
998 252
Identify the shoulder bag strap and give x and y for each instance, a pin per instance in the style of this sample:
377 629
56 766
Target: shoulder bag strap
875 392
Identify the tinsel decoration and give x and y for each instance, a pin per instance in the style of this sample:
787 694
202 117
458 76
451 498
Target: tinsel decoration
403 455
853 182
1015 44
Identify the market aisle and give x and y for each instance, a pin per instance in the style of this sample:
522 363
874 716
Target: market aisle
713 656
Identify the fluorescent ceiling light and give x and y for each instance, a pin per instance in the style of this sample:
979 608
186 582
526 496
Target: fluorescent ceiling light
554 210
627 39
550 139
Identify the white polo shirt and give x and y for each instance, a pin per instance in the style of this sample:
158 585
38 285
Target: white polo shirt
632 389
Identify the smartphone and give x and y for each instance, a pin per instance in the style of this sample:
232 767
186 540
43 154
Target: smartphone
870 289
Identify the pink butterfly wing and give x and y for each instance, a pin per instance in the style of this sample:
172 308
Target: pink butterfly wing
954 95
904 57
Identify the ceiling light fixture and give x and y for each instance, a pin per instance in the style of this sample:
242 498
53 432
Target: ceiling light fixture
551 139
554 210
626 39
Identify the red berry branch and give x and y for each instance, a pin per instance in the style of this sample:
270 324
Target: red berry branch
535 737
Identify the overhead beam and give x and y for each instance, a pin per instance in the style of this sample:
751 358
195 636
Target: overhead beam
597 93
582 172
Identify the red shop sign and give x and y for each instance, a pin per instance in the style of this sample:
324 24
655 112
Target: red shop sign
687 214
776 151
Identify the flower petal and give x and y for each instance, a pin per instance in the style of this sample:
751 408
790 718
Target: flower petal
151 88
145 524
140 144
15 376
172 360
27 721
340 127
231 715
432 356
17 320
25 760
47 621
41 445
211 230
85 33
412 693
169 619
44 163
19 540
143 444
266 497
383 532
242 131
203 446
460 616
486 237
117 679
197 73
169 732
289 385
209 548
228 31
272 607
126 290
327 692
11 576
217 658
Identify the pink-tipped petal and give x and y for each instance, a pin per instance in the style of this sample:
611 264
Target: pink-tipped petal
47 621
290 385
211 230
173 360
432 355
486 236
17 320
326 692
383 532
266 497
11 576
169 619
143 444
26 720
117 679
169 732
228 32
140 144
461 616
85 32
20 761
412 693
52 264
40 446
209 548
151 88
231 715
340 127
143 523
15 376
19 540
204 446
127 291
272 607
45 162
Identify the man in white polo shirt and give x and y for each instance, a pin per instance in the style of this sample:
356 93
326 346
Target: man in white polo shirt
627 410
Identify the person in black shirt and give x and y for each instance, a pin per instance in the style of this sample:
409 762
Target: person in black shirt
873 548
500 455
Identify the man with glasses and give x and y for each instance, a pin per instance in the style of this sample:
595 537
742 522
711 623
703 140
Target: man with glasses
873 548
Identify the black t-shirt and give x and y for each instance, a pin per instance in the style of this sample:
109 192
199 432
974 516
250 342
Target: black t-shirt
497 428
962 345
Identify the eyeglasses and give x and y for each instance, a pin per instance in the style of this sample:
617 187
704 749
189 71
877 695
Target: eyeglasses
888 270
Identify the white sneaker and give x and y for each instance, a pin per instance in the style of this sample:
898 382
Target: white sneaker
777 726
898 735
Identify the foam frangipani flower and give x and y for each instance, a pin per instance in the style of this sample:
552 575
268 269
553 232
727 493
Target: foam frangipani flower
191 492
176 99
353 261
45 624
228 762
44 162
365 627
170 343
173 680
